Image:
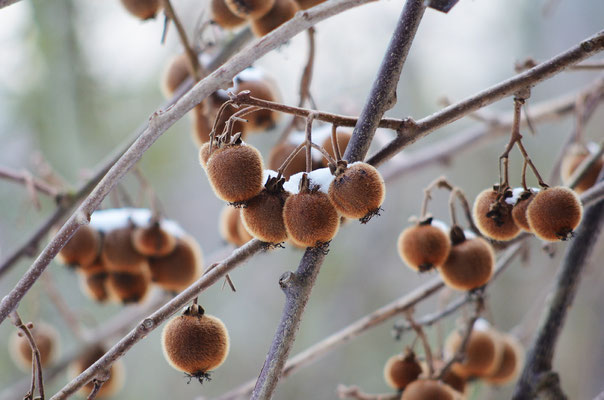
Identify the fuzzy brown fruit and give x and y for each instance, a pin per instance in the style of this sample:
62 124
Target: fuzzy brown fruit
493 216
215 102
175 73
483 352
554 213
195 343
231 228
306 4
153 240
262 88
357 191
281 12
427 389
519 211
310 218
249 9
511 363
571 161
47 341
279 154
83 247
235 172
469 265
118 254
263 215
143 9
423 246
455 381
116 373
93 281
128 287
179 269
342 137
202 126
223 16
400 370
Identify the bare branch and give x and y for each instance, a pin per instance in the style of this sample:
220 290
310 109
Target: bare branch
4 3
35 359
25 178
355 392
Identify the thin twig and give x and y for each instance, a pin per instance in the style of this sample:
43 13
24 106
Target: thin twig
308 69
424 339
25 177
35 360
59 302
355 392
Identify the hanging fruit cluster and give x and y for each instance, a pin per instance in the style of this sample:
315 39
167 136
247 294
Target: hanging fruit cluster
123 251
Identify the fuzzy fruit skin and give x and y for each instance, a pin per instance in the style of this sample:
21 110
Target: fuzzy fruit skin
250 9
279 154
423 246
455 381
175 73
195 343
343 138
231 228
83 247
179 269
572 160
469 265
95 286
511 363
306 4
128 287
519 213
152 240
554 213
47 340
262 89
426 389
118 254
506 229
483 354
263 216
282 11
201 125
235 172
111 386
143 9
358 191
223 16
401 370
310 218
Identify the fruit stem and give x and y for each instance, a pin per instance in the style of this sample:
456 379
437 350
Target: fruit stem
524 164
334 143
223 106
440 182
422 336
308 143
36 361
289 159
308 70
237 117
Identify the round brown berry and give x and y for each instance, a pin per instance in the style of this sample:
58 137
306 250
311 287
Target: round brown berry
175 73
554 213
153 240
493 216
511 362
261 87
179 269
357 191
423 246
235 172
483 352
250 9
83 247
343 137
118 253
520 208
195 343
223 16
281 12
116 373
263 215
400 370
575 155
47 341
469 265
143 9
306 4
231 228
128 287
428 389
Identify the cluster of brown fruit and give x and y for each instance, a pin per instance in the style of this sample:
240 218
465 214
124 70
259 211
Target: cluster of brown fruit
551 213
143 9
195 342
464 261
306 209
253 79
574 157
122 251
492 356
263 15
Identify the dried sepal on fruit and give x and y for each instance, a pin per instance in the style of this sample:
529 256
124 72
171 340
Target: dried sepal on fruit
309 216
195 343
357 190
470 262
424 389
83 247
153 240
511 363
575 155
402 369
249 9
520 205
281 12
47 341
128 287
423 246
235 172
119 255
493 215
179 269
483 352
116 379
263 214
143 9
223 16
554 213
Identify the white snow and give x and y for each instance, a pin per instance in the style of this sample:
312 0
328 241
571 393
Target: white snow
115 218
516 192
268 173
293 183
440 225
321 177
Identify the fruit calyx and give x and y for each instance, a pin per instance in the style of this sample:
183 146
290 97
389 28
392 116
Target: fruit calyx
456 234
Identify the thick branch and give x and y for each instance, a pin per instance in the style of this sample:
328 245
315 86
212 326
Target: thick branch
158 317
159 122
383 92
539 357
412 132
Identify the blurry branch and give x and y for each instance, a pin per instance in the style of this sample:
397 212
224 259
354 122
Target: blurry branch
308 69
298 286
159 122
194 66
36 370
354 392
416 130
154 320
28 180
4 3
71 320
589 65
585 166
537 375
444 150
593 194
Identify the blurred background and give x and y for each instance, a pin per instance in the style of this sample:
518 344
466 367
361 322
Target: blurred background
78 77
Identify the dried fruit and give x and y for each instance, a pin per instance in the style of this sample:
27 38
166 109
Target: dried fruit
93 281
261 87
400 370
263 215
179 269
554 213
281 12
128 287
306 4
231 228
83 247
575 155
483 352
153 240
423 246
511 362
427 389
223 16
493 216
143 9
520 208
118 254
116 373
175 73
249 8
47 340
